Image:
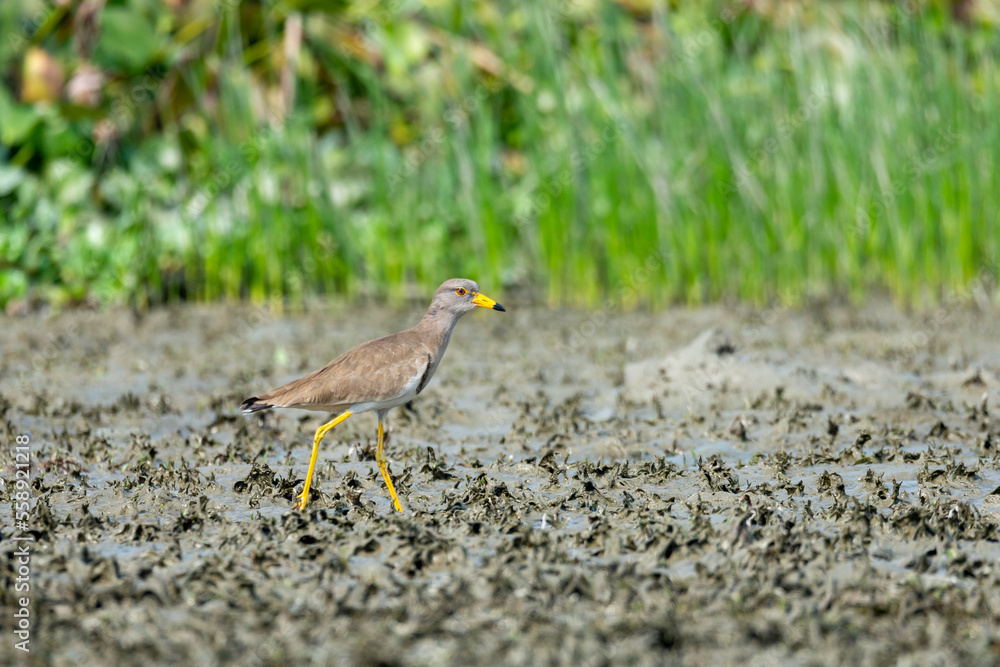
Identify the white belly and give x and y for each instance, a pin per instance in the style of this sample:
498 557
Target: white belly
408 394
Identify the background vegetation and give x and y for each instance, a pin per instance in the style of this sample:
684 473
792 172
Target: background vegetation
637 151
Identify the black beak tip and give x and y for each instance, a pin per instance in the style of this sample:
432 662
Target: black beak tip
497 306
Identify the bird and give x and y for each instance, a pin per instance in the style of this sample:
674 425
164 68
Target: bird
378 375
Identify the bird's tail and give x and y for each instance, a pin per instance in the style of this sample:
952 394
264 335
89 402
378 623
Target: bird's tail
255 404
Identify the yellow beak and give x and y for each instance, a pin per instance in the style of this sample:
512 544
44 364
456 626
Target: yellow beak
484 301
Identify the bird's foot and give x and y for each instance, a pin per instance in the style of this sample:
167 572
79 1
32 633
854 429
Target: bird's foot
301 501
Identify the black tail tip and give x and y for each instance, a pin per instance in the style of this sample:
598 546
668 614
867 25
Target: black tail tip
252 405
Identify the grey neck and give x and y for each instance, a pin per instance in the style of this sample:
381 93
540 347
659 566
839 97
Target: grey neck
435 329
436 326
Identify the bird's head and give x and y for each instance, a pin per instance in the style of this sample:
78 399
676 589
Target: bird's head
458 296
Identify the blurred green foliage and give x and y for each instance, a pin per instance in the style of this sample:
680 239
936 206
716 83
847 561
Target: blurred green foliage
637 152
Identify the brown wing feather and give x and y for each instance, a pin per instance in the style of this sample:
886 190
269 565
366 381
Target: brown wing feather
373 371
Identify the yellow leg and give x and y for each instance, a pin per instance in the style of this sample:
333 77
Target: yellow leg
383 466
320 432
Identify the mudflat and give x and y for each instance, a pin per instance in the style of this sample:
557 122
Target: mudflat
703 486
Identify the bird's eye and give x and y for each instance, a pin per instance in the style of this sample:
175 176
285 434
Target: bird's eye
460 291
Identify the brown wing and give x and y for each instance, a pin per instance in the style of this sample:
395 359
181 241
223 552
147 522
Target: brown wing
373 371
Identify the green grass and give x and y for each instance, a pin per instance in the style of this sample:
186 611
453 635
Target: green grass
671 159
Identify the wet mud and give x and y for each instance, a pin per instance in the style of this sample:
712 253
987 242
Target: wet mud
698 487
